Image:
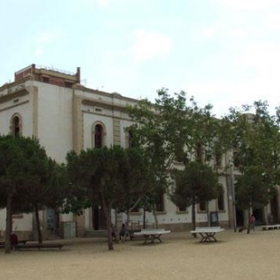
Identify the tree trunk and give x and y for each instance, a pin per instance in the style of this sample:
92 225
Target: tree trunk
116 227
109 227
248 221
116 217
144 218
208 214
8 225
193 218
92 217
107 215
229 202
155 216
127 218
40 239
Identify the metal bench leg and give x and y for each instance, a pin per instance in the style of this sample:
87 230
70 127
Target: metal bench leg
207 237
203 237
211 237
146 238
154 237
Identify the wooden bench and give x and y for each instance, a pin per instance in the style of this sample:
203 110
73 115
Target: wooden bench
20 242
270 227
38 246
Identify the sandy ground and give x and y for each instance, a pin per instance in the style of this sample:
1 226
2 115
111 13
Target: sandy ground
180 256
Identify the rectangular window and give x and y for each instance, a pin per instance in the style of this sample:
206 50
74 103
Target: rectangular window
182 209
202 206
160 203
68 84
199 151
45 79
221 202
130 140
236 160
218 159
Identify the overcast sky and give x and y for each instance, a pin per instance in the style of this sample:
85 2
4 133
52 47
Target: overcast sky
222 52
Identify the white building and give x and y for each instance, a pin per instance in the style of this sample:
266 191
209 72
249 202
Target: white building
64 115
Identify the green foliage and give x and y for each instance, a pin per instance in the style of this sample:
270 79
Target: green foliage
113 175
106 177
28 175
254 188
175 129
136 169
29 180
196 183
255 138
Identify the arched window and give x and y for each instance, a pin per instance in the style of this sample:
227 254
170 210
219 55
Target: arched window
16 126
98 136
98 131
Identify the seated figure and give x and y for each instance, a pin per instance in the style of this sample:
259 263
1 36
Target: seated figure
13 240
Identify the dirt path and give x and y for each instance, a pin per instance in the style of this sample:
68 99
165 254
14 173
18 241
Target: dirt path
235 256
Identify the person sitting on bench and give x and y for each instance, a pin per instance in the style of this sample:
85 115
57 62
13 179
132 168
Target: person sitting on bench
13 240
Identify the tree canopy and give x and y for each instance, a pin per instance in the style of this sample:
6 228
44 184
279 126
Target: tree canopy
109 177
27 179
175 130
195 184
255 140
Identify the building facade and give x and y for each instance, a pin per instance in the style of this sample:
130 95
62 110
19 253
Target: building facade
64 115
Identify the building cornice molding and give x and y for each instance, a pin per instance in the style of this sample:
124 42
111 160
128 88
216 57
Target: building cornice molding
10 96
103 104
113 95
15 105
8 86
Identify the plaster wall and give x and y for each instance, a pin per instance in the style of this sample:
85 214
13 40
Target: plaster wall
55 120
66 217
124 124
2 219
24 108
87 218
23 223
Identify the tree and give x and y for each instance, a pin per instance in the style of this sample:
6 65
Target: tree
24 175
49 191
255 139
48 187
107 177
80 168
136 182
253 188
175 130
196 183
